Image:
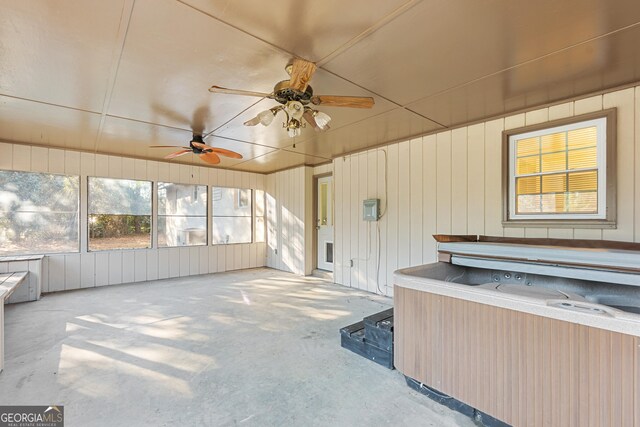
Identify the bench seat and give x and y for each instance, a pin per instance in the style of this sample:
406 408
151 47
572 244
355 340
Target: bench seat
9 282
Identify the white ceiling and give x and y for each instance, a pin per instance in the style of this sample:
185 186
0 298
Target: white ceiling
116 76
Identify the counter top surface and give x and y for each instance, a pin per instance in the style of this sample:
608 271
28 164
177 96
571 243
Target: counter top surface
579 312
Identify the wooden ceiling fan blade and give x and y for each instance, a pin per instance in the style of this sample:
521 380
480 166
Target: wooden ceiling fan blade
218 89
343 101
211 158
301 73
227 153
177 154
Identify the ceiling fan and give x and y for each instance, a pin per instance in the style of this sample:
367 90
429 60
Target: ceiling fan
197 146
295 95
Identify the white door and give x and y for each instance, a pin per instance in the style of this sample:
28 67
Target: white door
325 224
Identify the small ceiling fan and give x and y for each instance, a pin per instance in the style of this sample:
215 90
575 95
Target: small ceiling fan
295 95
197 146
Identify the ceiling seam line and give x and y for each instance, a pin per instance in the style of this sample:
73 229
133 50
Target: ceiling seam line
285 51
282 50
189 130
382 97
233 118
278 149
527 62
131 119
368 31
51 104
183 130
354 123
125 22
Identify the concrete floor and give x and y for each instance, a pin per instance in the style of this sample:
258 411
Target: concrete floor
254 347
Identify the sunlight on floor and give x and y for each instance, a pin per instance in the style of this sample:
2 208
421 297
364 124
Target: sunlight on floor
96 375
256 347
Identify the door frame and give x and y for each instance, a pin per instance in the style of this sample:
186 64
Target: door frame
316 178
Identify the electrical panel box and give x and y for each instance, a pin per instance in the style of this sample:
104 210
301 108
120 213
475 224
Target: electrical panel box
371 209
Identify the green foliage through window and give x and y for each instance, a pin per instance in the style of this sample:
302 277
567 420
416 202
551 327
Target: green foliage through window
119 214
38 213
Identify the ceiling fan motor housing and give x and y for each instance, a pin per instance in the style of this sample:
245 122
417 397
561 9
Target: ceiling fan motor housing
283 93
196 138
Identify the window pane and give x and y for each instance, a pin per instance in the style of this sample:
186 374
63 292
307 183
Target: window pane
232 215
527 147
177 199
38 232
554 162
260 229
583 181
324 202
119 214
554 142
529 203
558 170
38 213
582 159
556 183
554 203
583 202
38 192
528 165
231 230
529 185
182 231
119 232
585 137
259 203
119 196
260 214
231 202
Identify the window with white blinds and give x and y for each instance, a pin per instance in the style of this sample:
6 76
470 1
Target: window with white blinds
559 172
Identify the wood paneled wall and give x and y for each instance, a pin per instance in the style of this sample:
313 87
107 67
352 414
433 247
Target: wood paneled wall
450 183
88 269
523 369
290 220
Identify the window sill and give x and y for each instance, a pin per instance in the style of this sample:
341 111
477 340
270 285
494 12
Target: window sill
232 244
564 223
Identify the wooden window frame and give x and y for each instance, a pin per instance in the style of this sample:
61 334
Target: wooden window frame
609 220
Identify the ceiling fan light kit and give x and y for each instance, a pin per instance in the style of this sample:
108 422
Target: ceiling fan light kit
322 119
295 95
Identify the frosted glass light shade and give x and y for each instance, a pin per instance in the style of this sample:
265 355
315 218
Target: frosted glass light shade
322 119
